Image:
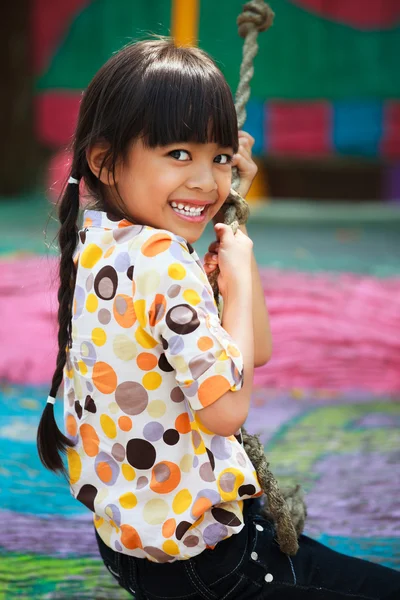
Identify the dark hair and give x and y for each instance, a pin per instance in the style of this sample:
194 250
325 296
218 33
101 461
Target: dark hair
152 90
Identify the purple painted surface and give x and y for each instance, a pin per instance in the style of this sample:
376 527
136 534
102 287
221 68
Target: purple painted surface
55 536
345 502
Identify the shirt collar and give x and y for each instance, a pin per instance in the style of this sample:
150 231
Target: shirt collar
104 220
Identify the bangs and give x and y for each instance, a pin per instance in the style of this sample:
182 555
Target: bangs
185 103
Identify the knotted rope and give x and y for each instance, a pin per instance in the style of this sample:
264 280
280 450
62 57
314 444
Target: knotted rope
286 508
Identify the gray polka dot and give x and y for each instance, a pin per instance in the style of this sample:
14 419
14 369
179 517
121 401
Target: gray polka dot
104 316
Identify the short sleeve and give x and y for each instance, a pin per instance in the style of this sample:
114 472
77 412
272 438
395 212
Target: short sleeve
181 314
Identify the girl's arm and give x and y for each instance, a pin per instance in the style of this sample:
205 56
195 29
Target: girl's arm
261 328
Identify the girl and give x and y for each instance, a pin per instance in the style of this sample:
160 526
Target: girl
155 387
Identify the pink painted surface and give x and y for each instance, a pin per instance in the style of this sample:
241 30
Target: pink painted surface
330 332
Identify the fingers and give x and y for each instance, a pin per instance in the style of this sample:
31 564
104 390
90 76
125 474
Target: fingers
224 234
246 139
213 247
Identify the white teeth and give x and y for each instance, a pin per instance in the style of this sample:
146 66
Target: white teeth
187 210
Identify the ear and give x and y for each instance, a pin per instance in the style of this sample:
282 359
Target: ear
95 157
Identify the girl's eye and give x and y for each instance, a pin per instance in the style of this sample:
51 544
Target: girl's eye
225 159
177 153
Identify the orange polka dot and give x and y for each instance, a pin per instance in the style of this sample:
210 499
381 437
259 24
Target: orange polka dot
156 244
90 439
168 528
125 423
104 471
212 388
124 223
165 477
88 222
205 343
104 378
182 423
233 351
109 251
146 361
200 506
157 309
123 310
130 537
71 425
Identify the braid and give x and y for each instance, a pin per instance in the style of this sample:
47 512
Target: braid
51 442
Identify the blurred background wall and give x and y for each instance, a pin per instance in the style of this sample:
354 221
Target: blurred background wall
325 104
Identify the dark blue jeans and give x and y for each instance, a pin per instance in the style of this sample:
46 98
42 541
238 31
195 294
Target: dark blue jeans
250 566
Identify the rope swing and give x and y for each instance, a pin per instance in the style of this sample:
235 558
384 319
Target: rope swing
286 507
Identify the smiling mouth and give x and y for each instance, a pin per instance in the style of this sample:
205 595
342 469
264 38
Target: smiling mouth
189 212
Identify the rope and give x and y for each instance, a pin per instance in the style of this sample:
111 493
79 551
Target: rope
286 508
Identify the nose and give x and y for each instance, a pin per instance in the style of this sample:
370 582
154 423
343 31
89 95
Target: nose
202 178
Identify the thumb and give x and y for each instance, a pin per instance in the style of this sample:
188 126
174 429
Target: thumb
224 233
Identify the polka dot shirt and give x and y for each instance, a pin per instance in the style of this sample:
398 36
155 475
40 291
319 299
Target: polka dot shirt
148 351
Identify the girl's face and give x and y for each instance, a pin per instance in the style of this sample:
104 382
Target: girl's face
178 187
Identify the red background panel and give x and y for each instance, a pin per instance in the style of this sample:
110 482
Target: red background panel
299 128
390 144
56 117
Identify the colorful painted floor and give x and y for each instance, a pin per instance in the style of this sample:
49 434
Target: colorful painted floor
340 440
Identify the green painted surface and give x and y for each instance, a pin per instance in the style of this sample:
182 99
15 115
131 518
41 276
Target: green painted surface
301 57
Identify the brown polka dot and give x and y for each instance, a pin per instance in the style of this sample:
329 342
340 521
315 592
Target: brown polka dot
78 409
87 495
177 395
105 283
182 529
131 397
182 319
171 437
211 458
140 454
191 541
225 517
164 365
247 490
158 554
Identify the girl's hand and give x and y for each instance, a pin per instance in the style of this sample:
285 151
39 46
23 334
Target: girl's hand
243 161
211 257
246 166
232 253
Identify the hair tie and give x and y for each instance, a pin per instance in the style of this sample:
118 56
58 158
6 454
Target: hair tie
73 180
51 400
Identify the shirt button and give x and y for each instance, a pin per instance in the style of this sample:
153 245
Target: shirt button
269 577
259 528
254 555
